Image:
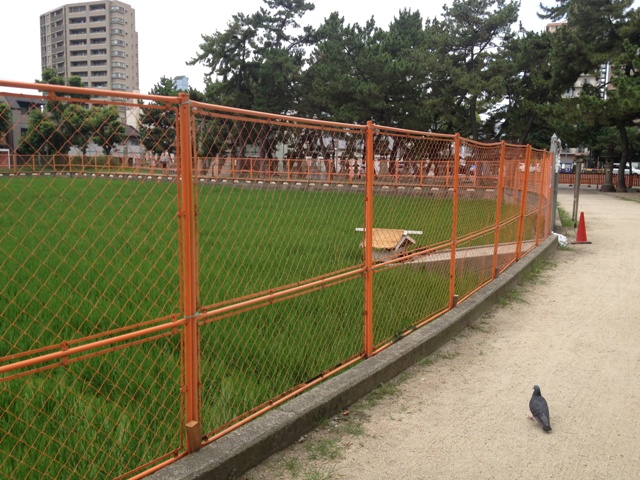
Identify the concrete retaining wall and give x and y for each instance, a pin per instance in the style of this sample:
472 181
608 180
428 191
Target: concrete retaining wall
246 447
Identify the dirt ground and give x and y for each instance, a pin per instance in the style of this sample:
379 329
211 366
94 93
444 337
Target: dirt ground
463 413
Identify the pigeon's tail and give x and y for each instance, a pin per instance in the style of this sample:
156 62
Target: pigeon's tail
544 421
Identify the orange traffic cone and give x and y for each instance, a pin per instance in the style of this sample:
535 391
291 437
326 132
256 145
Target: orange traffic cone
581 236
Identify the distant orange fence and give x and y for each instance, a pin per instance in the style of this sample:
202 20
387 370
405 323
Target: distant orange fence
596 179
171 269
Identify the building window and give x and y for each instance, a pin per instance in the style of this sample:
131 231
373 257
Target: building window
118 53
74 21
118 31
80 74
79 53
100 73
78 31
76 42
79 64
98 41
101 51
98 63
119 42
118 8
118 20
118 75
100 6
77 8
119 86
118 65
99 84
99 30
98 18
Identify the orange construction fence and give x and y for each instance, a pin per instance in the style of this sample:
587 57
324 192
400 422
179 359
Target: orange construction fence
171 269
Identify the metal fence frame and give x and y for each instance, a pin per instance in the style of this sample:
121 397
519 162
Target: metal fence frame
518 175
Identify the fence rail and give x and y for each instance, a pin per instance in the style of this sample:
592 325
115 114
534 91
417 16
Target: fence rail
596 179
170 269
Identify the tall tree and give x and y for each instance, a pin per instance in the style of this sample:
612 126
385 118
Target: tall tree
359 73
606 33
337 84
469 39
534 86
402 55
257 61
63 123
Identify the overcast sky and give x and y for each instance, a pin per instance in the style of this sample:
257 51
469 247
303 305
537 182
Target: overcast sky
170 34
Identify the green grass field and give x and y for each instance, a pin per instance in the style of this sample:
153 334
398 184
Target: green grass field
83 256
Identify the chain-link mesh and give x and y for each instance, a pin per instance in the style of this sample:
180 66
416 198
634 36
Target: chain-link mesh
89 266
253 357
171 268
94 417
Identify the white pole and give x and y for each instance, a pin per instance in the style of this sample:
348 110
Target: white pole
406 232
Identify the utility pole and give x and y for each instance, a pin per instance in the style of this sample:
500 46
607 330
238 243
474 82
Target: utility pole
556 146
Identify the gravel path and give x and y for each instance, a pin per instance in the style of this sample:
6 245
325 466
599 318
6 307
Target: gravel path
575 331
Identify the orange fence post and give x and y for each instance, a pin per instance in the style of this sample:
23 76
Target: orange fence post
189 277
523 205
496 240
550 168
397 170
540 203
368 243
454 223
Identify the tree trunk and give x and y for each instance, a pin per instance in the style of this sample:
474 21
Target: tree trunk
525 134
624 145
472 114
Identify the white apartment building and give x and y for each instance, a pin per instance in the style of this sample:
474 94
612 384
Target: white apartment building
181 83
97 41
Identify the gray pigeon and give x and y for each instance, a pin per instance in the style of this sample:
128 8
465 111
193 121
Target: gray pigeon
540 409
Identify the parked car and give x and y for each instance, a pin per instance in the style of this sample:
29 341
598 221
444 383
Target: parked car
634 170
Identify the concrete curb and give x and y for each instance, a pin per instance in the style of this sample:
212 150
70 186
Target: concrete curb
249 445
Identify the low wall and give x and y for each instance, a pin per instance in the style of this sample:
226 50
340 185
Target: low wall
251 444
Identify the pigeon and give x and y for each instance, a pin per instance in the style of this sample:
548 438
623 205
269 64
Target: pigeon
540 409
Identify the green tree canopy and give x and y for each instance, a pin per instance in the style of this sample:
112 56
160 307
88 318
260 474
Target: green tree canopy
257 61
61 125
107 130
158 124
469 40
600 34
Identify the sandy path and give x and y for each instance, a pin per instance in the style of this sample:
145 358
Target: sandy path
575 332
